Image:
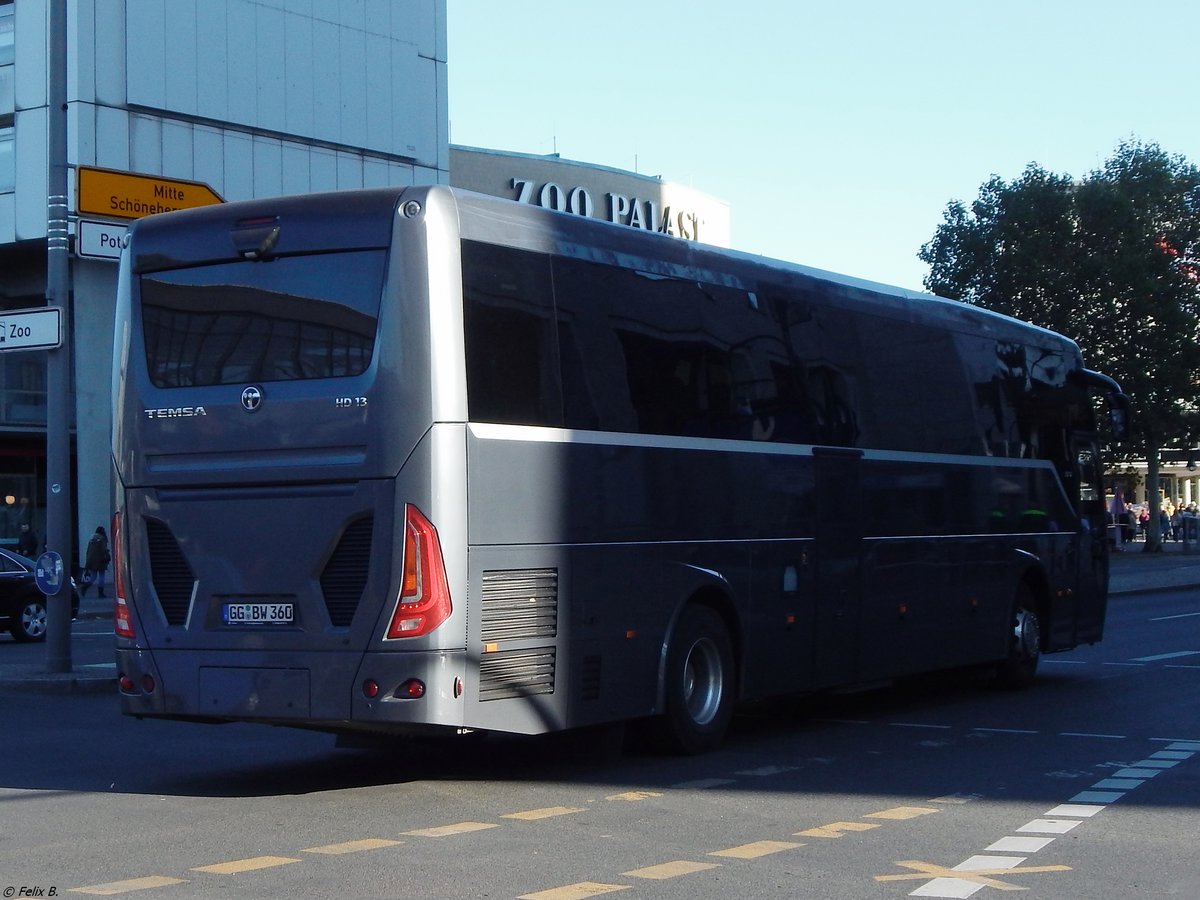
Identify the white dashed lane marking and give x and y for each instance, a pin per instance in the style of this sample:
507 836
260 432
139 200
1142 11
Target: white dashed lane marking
1032 836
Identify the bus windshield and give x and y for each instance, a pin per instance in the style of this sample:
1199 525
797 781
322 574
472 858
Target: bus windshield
296 317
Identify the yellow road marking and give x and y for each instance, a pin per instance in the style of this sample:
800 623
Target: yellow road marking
237 866
978 876
634 795
548 812
902 813
124 887
663 871
447 830
352 846
579 891
756 849
836 829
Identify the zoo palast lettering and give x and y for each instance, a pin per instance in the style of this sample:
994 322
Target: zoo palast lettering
622 209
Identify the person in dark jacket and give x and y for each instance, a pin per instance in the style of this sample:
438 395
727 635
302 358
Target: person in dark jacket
27 542
95 562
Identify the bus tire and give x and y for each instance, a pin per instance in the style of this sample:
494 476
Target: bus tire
698 683
1024 643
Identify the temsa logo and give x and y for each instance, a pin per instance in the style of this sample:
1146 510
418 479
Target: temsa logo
177 412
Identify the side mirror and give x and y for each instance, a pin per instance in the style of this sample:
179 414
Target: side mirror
1115 398
1118 417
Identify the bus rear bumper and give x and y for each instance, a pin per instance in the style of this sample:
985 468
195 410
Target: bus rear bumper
345 691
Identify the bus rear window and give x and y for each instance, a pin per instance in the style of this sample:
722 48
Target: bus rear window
295 317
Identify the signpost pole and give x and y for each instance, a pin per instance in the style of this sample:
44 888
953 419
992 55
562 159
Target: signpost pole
59 391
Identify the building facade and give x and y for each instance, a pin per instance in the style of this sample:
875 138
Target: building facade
231 99
627 198
250 98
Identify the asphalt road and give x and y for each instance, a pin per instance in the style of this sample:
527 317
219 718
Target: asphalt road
1086 785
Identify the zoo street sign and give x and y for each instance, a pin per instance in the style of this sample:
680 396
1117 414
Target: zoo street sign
30 329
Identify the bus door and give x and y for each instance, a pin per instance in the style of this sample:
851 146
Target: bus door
1092 585
838 546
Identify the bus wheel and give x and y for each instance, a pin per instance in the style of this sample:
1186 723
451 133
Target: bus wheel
1024 643
699 684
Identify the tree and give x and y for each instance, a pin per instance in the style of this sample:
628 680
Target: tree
1112 261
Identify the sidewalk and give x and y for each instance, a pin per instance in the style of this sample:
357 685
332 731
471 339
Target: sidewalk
1133 570
93 665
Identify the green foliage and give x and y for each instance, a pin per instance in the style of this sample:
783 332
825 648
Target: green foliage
1112 261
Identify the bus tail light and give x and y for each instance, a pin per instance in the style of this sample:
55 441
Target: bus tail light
424 601
122 618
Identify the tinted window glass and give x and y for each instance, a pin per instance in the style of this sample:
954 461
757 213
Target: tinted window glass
818 378
664 355
1022 399
919 399
512 369
292 318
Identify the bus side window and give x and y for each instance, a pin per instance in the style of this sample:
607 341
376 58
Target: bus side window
512 364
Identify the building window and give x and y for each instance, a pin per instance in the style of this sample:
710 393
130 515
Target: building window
6 33
8 171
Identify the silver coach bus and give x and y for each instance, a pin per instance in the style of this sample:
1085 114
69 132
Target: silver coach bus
413 458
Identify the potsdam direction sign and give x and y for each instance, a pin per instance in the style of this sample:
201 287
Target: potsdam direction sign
100 240
30 329
124 195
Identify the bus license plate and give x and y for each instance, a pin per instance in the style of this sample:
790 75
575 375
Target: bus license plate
258 614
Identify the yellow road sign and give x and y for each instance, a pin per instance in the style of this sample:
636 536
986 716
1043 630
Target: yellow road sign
126 195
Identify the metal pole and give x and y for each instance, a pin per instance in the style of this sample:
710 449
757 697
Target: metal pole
58 364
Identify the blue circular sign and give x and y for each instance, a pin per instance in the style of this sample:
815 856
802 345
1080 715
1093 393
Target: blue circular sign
48 572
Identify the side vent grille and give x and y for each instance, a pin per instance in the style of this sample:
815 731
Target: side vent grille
169 572
509 674
345 575
519 603
589 688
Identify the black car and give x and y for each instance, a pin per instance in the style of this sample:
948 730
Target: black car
22 605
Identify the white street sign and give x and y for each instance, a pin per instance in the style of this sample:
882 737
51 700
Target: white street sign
30 329
100 240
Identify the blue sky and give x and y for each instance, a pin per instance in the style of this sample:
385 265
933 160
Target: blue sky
837 132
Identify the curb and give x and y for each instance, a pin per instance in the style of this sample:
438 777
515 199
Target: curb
1155 589
59 683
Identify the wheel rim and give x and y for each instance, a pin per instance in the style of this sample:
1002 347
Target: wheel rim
1027 634
33 619
702 682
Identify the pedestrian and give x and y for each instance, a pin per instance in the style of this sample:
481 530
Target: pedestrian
1119 517
27 542
95 561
